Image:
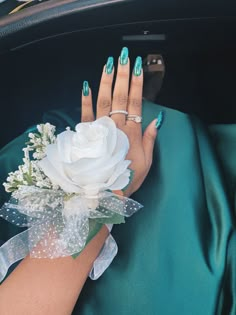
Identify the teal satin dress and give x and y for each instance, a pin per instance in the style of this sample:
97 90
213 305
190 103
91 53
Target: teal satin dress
178 254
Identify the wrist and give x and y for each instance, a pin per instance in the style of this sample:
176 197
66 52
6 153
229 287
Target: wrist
126 193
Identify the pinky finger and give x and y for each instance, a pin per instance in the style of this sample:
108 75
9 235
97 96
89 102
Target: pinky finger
149 137
87 113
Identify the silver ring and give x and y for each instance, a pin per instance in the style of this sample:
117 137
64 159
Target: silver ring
135 118
118 112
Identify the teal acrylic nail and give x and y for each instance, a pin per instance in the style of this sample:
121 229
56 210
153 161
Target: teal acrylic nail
124 55
160 118
85 88
109 65
138 66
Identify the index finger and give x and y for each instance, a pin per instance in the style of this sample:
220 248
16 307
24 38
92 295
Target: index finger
105 89
87 103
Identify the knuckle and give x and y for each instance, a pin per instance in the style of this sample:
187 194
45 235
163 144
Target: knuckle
106 82
135 102
86 104
137 82
122 73
148 136
104 103
120 99
87 118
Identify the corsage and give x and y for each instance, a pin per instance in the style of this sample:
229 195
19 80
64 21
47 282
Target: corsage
62 194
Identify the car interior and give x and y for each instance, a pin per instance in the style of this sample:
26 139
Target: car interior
49 48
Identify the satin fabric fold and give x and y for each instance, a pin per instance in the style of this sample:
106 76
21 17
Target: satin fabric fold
176 256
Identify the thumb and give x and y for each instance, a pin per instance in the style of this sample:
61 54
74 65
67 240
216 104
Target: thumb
149 138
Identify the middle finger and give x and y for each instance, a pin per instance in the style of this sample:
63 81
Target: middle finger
135 98
121 89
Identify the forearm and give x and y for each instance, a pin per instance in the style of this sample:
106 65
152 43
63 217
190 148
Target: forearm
49 286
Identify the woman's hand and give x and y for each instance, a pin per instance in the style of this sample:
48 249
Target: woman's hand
124 97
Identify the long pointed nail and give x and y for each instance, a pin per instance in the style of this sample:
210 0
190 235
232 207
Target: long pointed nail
85 88
124 56
160 118
138 66
109 65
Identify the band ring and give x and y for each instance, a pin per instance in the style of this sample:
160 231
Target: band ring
135 118
120 111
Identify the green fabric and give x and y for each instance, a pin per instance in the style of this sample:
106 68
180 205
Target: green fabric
177 254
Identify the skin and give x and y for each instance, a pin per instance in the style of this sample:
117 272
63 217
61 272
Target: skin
52 286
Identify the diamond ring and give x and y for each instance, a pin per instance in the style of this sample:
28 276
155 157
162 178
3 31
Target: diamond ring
135 118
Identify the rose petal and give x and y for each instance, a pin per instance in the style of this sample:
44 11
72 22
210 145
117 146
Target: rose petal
94 177
54 159
56 178
86 167
64 145
89 141
121 182
120 169
112 135
122 143
91 174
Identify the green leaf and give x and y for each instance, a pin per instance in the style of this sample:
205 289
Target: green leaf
115 218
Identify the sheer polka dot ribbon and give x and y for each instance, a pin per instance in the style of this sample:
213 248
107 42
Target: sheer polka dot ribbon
57 225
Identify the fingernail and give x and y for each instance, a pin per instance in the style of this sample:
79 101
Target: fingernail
124 56
109 65
85 88
138 66
160 118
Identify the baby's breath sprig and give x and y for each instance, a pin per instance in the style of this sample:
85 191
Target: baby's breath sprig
29 173
39 141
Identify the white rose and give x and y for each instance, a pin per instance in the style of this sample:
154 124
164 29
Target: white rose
90 159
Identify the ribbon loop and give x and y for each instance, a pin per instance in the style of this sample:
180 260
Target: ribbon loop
58 225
